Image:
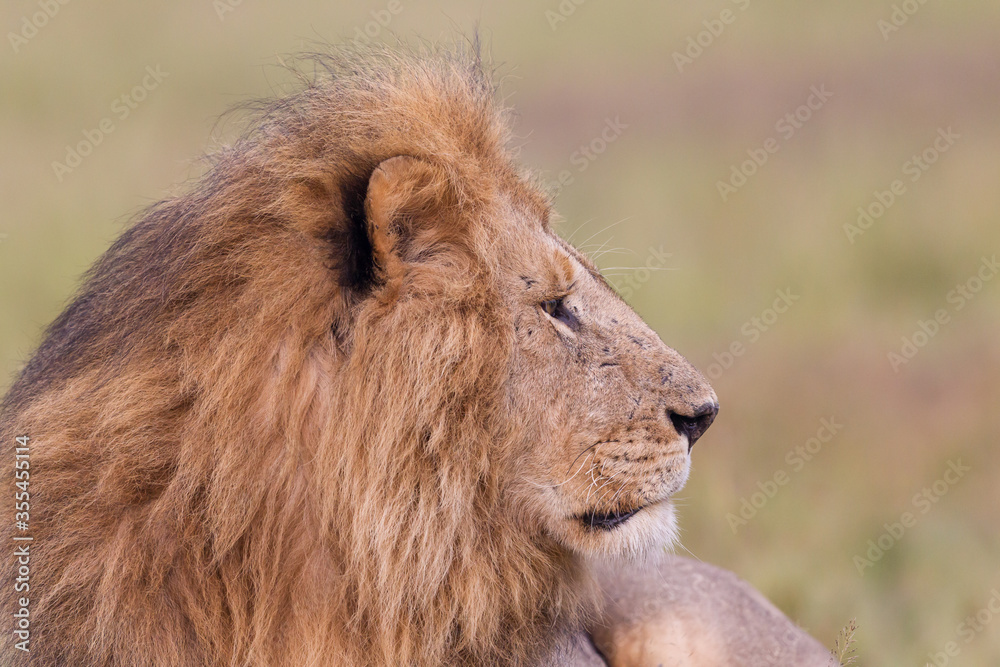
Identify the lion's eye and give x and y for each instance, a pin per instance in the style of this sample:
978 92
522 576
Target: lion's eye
552 306
557 310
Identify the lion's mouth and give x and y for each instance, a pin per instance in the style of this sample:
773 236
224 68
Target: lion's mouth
608 520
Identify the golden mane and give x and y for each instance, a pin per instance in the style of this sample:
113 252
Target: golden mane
237 458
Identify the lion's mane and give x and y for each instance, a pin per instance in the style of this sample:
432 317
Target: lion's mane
238 457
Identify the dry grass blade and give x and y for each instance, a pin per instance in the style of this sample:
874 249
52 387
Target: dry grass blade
844 650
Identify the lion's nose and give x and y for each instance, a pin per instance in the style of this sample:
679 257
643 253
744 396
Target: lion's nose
695 425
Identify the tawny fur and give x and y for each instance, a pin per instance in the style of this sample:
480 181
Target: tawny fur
277 424
196 500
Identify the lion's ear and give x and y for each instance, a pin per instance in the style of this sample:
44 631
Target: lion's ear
408 208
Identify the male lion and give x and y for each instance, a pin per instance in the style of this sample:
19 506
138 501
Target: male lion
351 401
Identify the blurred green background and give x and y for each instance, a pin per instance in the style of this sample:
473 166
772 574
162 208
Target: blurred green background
641 138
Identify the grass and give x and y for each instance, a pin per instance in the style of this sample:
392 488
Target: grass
844 651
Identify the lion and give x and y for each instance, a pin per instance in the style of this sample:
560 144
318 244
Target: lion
352 401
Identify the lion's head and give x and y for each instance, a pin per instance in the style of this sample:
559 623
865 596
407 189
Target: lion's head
592 416
609 413
350 397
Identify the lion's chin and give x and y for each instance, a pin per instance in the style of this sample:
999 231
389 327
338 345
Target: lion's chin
630 534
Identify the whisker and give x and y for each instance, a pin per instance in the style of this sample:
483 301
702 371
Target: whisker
596 256
610 480
613 224
636 268
612 503
596 251
568 480
577 230
594 486
681 545
602 442
601 251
